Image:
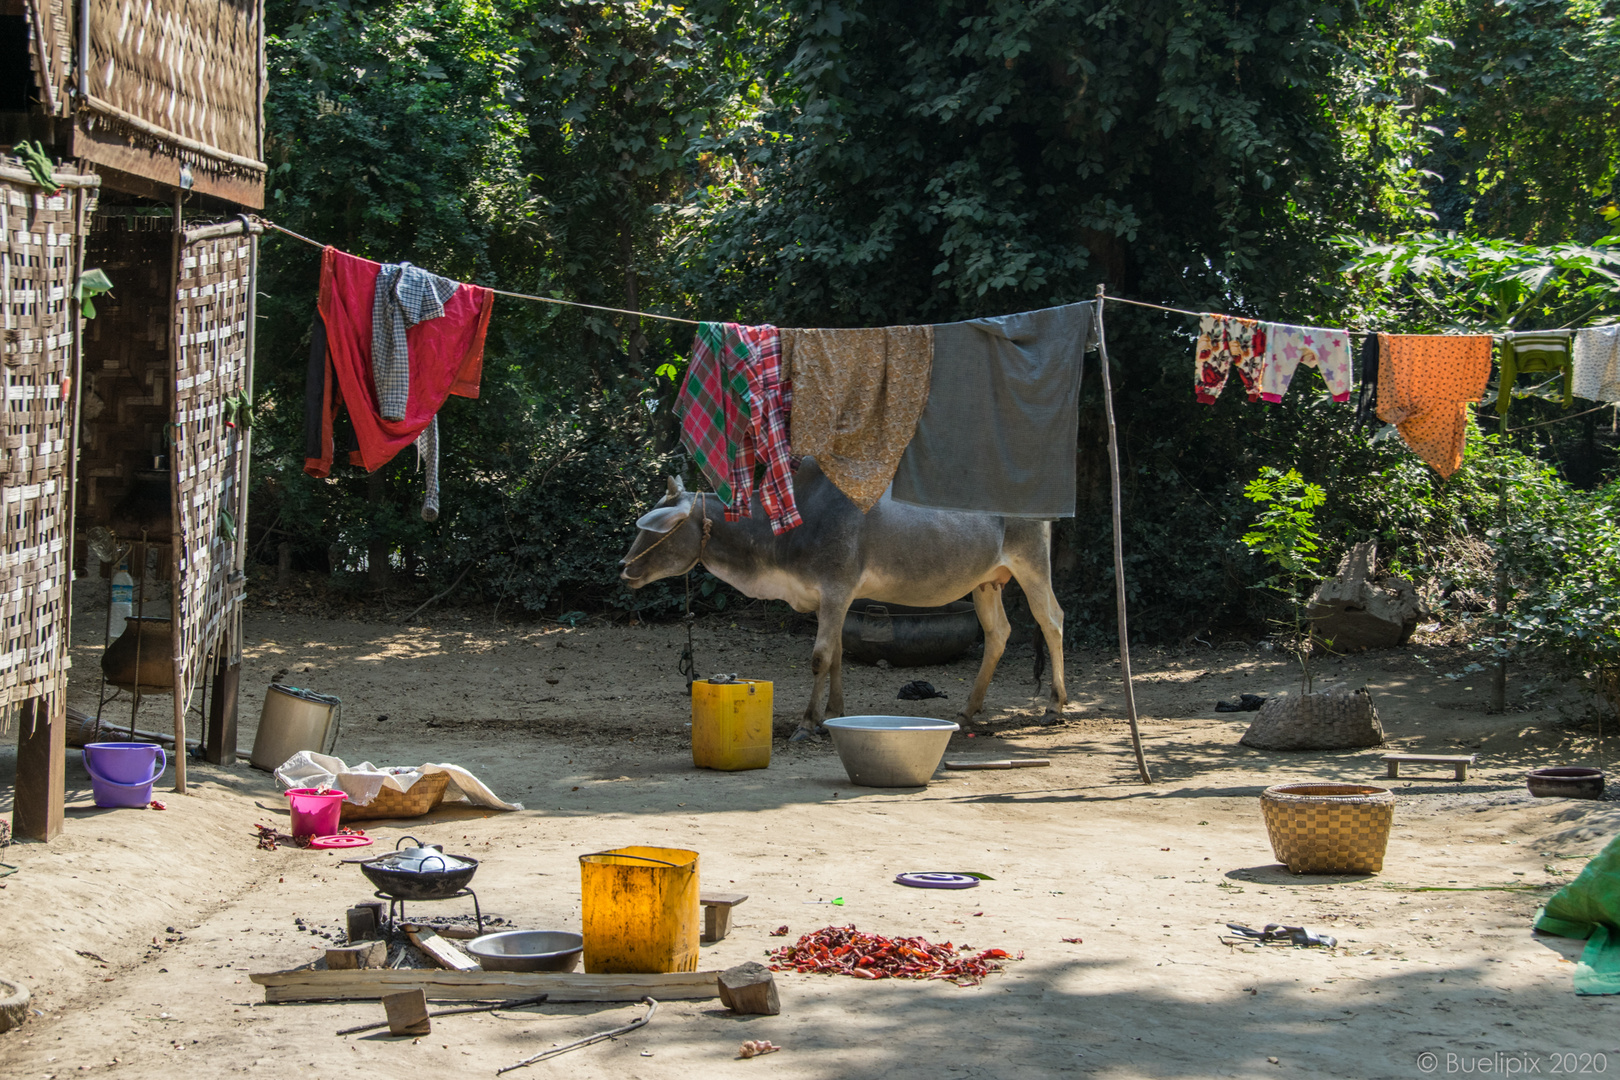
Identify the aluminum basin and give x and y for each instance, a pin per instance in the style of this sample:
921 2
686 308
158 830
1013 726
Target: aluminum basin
527 950
890 751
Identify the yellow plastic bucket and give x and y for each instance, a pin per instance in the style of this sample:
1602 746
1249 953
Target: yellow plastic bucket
731 724
639 907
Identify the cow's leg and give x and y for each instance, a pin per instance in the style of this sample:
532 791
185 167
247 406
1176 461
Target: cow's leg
826 664
1036 581
993 617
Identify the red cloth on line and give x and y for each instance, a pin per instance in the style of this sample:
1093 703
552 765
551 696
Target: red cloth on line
447 357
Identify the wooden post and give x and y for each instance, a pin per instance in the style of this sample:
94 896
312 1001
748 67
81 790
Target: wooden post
37 796
1119 547
181 690
407 1012
219 742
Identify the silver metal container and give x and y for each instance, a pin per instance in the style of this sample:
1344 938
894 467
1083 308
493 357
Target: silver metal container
890 751
527 950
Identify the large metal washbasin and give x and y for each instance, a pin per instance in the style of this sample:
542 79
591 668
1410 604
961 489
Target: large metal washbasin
890 751
909 636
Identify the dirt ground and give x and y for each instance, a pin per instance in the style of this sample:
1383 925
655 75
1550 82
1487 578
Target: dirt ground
137 929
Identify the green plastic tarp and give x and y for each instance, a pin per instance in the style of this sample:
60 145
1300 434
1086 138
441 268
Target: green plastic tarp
1589 908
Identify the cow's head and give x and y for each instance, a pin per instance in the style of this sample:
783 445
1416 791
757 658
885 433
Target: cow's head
668 539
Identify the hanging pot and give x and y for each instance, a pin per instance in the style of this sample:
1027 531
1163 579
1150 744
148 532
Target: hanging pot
156 644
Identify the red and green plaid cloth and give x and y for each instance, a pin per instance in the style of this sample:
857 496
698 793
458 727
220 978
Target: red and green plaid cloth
734 409
713 404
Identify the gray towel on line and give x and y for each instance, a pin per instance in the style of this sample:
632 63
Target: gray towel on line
427 456
405 295
999 431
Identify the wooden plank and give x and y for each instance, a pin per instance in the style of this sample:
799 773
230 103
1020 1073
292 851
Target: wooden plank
1004 763
1434 759
439 950
134 169
722 899
310 985
717 913
37 797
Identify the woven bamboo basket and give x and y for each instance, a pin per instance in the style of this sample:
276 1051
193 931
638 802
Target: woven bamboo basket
423 797
1321 828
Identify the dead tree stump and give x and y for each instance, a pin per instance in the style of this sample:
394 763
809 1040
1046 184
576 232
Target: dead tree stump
1358 609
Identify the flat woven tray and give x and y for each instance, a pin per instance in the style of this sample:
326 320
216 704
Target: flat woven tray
423 797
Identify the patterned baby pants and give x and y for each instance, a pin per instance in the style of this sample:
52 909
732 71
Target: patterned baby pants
1226 342
1289 346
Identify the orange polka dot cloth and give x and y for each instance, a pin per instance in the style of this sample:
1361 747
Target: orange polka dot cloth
1425 384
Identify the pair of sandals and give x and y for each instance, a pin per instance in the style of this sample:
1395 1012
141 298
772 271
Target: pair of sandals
1277 934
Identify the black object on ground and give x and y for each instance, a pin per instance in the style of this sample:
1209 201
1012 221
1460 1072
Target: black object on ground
918 690
1246 703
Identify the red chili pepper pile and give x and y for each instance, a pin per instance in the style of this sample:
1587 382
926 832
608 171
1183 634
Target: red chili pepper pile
844 950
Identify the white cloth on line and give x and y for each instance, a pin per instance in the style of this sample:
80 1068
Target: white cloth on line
1595 361
362 782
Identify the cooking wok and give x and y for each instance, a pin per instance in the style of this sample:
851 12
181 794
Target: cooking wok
419 873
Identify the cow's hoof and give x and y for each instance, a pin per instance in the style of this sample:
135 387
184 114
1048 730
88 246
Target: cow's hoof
1052 718
802 735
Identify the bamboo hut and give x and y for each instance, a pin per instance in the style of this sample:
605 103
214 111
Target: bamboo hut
155 114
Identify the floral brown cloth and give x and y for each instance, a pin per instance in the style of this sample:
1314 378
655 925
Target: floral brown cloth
857 395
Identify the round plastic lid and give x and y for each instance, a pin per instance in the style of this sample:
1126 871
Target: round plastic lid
937 881
340 840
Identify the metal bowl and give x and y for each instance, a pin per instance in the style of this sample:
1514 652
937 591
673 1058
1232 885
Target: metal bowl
890 751
527 950
1566 781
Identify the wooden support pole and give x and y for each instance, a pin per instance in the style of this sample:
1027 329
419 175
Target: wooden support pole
1119 547
37 797
182 688
219 742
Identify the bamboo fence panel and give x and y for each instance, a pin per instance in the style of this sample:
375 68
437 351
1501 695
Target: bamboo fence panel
50 52
214 279
167 73
39 263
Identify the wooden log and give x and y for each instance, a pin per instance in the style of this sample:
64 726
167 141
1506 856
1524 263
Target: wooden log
439 950
39 793
407 1012
749 989
717 913
1005 763
363 920
364 954
307 984
219 740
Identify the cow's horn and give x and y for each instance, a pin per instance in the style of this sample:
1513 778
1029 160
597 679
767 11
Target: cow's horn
676 488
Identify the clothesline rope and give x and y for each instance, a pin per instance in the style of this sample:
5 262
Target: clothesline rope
694 322
516 295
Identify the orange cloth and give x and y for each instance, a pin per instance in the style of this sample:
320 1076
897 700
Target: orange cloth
1425 385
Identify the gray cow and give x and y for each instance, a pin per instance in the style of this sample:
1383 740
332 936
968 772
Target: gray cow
894 553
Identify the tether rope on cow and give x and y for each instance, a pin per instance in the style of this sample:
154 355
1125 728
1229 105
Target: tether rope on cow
688 662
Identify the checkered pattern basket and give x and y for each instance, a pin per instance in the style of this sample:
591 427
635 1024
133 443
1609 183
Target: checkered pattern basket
1321 828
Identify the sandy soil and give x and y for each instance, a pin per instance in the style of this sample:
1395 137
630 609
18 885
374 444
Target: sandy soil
136 930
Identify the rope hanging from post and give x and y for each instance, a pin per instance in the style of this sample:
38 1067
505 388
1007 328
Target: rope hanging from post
1119 548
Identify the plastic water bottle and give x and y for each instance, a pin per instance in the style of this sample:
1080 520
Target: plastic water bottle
123 602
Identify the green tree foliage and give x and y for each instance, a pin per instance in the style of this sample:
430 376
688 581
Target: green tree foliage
1284 534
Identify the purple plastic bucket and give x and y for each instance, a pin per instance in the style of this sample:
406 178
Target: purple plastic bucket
122 773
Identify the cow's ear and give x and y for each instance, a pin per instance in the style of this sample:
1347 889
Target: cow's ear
676 488
663 519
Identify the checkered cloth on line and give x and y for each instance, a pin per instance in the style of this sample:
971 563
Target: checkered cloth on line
766 440
713 404
405 295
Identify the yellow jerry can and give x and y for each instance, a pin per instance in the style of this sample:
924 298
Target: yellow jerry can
731 724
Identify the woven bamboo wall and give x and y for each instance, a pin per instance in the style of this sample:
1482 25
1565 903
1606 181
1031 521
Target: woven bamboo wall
50 51
126 398
211 356
38 265
176 83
